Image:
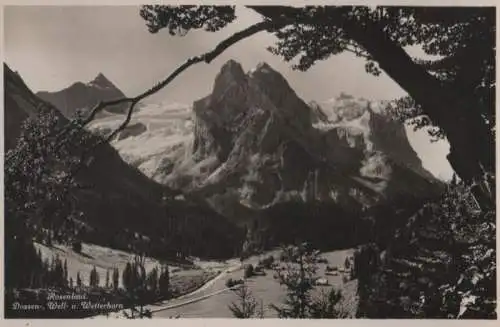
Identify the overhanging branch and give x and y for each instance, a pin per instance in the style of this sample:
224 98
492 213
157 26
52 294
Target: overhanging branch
206 57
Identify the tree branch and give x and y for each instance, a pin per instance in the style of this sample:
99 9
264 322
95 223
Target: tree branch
206 57
357 52
123 124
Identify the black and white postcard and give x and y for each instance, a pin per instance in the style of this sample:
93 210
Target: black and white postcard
249 161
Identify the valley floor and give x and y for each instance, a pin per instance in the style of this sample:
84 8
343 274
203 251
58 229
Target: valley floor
212 300
204 286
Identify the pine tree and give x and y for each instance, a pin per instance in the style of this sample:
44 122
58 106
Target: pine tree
52 269
38 274
164 282
347 264
78 280
49 238
97 278
58 272
45 273
65 271
300 278
127 277
94 278
135 278
116 276
325 306
107 278
153 280
246 306
71 282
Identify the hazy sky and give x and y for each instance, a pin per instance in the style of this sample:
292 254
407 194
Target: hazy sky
53 47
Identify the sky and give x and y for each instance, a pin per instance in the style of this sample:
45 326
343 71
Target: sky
52 47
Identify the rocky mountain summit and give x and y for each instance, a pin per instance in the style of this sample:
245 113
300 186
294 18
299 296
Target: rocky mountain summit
253 143
270 146
83 96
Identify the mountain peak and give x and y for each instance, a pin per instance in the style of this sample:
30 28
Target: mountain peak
264 72
83 96
101 81
263 66
230 72
232 66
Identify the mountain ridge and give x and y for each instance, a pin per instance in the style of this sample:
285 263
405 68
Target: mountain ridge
82 97
257 127
120 199
253 142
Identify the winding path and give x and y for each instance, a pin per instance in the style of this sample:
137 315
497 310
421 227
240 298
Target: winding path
214 286
212 299
210 284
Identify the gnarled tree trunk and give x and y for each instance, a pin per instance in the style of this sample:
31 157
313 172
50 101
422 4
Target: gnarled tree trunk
472 146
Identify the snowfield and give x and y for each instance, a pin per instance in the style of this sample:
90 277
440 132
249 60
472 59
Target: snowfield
168 134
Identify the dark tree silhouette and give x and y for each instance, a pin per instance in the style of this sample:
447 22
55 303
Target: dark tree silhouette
116 277
246 307
78 280
94 278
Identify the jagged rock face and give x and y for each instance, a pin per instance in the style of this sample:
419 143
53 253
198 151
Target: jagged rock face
271 147
368 123
253 143
241 124
80 96
317 113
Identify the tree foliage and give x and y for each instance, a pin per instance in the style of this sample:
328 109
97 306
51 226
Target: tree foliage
31 270
38 192
299 277
106 283
135 281
116 277
79 282
180 19
247 306
326 305
39 179
164 281
442 264
143 287
94 278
